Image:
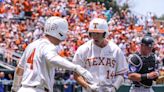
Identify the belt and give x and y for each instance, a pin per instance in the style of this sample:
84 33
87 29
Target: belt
45 89
137 86
140 86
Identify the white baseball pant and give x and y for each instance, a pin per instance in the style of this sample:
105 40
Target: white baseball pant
103 88
141 89
30 89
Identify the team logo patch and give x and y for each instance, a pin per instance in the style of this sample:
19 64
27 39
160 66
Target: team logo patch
54 26
95 25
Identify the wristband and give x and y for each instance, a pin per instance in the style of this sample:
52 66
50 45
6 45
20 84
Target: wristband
144 77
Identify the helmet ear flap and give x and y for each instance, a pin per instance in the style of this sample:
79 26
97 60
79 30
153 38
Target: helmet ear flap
104 34
90 34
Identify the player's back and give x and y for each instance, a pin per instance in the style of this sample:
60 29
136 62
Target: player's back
37 71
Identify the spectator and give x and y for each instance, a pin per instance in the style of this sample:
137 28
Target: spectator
69 84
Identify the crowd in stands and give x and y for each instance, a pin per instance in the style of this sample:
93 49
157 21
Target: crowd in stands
22 21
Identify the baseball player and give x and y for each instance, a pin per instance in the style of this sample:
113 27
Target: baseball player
35 70
143 67
103 58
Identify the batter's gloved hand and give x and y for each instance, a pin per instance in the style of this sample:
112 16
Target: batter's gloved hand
85 73
109 89
93 88
14 89
113 89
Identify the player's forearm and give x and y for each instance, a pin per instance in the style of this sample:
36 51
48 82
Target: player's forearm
17 78
139 77
19 71
63 63
134 76
80 80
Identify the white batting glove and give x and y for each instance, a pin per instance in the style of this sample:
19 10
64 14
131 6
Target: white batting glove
14 88
113 89
85 73
109 89
93 88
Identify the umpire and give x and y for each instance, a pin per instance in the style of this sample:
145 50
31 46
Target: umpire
143 67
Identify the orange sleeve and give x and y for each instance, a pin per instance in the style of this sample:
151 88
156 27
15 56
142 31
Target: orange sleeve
24 46
56 14
27 6
61 53
17 42
2 9
161 31
139 29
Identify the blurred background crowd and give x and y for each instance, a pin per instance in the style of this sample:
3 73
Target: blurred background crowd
22 21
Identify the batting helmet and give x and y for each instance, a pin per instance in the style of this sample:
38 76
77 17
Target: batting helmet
99 25
148 40
56 27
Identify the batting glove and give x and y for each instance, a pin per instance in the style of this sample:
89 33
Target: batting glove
113 89
14 89
109 89
85 73
93 88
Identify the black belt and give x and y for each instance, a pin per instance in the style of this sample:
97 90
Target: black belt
137 85
140 86
45 89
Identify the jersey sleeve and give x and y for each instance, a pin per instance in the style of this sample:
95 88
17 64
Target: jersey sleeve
121 63
22 61
49 51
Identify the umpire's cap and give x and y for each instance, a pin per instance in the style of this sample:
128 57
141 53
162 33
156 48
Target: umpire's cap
148 41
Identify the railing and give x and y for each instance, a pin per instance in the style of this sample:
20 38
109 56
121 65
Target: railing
9 57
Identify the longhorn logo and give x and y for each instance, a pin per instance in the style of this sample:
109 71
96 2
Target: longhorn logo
95 25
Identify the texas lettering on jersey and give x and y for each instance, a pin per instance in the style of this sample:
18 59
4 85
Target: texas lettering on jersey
97 61
107 62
